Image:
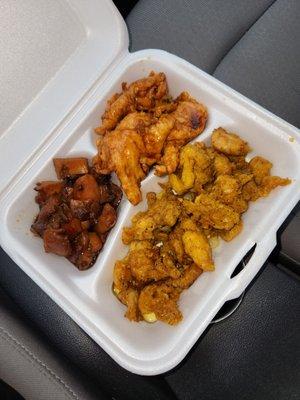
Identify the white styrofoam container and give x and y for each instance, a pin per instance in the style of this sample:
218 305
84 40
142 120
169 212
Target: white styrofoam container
146 349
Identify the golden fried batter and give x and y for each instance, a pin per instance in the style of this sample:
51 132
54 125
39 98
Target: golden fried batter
120 151
271 182
197 247
211 212
162 213
229 143
194 164
189 121
222 165
142 127
187 278
260 167
159 302
232 233
171 243
140 95
226 188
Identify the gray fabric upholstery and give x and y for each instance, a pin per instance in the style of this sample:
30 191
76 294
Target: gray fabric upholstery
31 367
265 64
253 355
290 238
199 31
69 339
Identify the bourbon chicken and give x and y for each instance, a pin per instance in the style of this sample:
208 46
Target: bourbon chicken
76 212
143 127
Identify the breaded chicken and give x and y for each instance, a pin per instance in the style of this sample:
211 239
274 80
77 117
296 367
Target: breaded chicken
229 143
171 243
211 212
197 247
143 127
163 212
120 151
139 95
159 302
260 167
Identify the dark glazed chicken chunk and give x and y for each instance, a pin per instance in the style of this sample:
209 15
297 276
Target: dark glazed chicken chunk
76 214
69 167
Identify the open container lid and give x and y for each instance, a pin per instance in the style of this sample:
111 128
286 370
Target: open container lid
51 54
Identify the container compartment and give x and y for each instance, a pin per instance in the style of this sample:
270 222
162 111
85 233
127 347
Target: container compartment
87 296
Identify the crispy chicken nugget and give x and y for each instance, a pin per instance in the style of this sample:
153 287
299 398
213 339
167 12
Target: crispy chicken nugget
164 212
229 143
159 302
140 95
211 212
197 247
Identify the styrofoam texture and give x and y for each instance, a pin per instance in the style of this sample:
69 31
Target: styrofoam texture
93 36
86 296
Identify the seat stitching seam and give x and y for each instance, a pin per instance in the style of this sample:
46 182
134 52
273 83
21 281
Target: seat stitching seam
9 338
241 37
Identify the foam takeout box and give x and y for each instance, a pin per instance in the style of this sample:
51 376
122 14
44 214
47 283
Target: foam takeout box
83 59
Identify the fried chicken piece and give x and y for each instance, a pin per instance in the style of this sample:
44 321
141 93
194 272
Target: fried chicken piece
188 277
169 160
164 106
157 134
139 95
194 164
146 265
211 212
239 204
132 313
159 302
174 244
260 168
122 278
226 189
197 247
134 141
136 121
124 291
229 143
271 182
222 165
189 121
240 164
232 233
164 212
250 191
242 177
120 151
